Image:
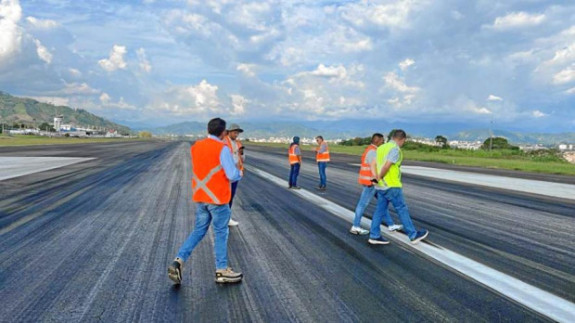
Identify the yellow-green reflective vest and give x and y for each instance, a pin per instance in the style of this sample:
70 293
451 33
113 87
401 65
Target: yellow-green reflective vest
393 176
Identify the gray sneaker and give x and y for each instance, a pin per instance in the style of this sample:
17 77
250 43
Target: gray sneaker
358 231
395 227
233 223
225 276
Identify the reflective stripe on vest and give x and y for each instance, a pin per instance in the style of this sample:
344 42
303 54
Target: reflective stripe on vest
201 184
393 176
240 163
209 181
365 174
322 157
293 158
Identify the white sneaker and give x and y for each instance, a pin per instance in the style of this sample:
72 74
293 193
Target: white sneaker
395 227
233 223
358 230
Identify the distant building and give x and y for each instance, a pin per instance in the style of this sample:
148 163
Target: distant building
567 147
58 122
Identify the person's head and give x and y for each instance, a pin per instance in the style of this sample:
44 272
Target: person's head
296 140
399 136
234 131
319 140
377 139
217 127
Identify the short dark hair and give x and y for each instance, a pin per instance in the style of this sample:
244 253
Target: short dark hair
376 135
399 134
319 137
216 126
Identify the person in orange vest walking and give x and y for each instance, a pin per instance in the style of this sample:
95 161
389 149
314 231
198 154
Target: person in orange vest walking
294 155
367 178
237 150
213 170
322 158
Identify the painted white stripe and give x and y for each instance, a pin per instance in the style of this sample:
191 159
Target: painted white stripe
566 191
11 167
532 297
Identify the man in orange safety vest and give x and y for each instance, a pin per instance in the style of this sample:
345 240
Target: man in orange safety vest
213 170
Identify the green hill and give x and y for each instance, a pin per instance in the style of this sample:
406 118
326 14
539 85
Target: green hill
16 110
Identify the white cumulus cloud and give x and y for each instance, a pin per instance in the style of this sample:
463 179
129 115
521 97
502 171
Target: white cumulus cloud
238 104
10 32
539 114
338 71
105 98
494 98
43 52
143 61
116 60
565 76
247 69
41 23
200 99
517 20
404 65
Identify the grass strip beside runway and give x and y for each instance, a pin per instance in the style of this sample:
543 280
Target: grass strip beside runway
458 157
26 140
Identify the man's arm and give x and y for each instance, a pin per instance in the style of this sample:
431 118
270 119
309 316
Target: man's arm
392 158
229 166
298 153
373 168
384 170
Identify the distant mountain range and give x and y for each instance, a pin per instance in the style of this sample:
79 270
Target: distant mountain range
28 111
362 128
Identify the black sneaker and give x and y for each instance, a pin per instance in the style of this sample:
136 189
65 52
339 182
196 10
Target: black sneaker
175 271
380 240
227 276
420 235
296 187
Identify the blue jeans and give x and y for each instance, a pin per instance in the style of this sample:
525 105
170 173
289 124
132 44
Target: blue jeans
394 196
293 174
322 178
234 188
205 213
366 195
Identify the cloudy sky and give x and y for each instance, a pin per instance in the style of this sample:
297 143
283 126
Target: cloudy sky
158 62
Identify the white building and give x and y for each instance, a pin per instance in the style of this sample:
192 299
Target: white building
58 122
567 147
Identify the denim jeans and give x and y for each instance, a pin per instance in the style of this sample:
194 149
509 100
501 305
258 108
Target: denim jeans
366 195
205 213
293 174
322 178
394 196
234 188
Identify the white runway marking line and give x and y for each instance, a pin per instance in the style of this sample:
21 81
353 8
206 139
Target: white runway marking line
541 301
566 191
11 167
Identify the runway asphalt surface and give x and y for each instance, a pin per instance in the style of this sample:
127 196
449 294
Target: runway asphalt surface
92 241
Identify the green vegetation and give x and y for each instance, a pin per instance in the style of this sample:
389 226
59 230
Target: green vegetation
497 143
541 161
27 140
145 134
18 112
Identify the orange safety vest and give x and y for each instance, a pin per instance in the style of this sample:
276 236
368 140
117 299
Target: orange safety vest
239 143
209 181
322 157
365 174
293 158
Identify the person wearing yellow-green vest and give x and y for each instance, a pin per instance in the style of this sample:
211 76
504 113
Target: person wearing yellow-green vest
389 190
